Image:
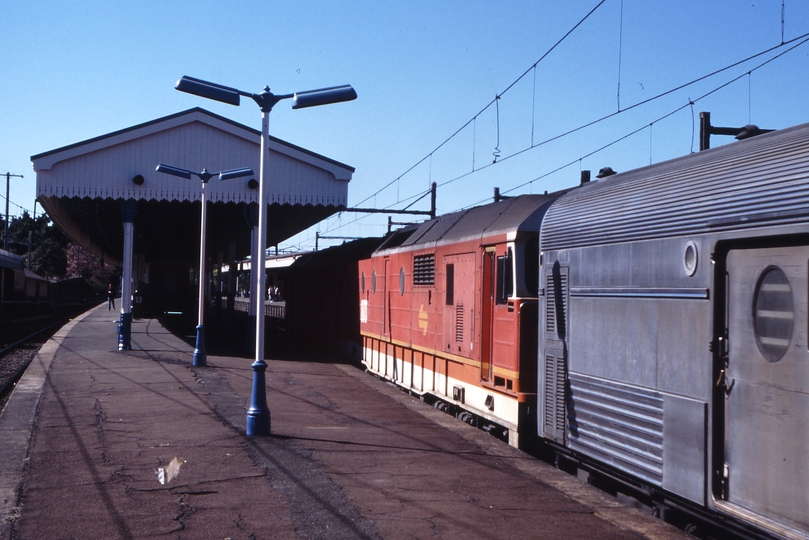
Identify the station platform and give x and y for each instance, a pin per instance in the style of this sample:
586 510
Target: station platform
97 443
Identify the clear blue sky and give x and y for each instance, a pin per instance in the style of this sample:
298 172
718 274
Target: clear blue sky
423 69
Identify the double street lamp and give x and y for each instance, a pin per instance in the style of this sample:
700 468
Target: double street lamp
258 415
200 355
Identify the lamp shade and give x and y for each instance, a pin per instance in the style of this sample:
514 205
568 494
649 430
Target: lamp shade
323 96
209 90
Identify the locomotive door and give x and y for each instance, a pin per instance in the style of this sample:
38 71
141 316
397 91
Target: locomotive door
766 383
487 319
385 300
459 315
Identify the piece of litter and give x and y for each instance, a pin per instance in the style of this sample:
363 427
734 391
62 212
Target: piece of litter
167 474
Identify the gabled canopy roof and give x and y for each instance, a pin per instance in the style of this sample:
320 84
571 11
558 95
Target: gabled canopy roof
82 185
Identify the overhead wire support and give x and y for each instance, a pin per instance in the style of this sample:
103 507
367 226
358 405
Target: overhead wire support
430 212
496 152
319 236
620 48
8 176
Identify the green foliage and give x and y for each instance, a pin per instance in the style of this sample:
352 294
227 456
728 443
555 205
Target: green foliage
39 242
48 253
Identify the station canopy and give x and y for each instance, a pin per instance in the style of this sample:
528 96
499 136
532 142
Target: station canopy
83 187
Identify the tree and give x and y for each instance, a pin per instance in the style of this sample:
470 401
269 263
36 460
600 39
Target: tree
48 253
40 243
82 263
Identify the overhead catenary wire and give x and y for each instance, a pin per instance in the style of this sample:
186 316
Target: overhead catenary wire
489 104
804 38
593 122
797 41
659 119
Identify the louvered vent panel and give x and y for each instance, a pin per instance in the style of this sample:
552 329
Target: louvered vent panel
555 305
554 395
424 269
459 323
550 318
619 424
560 394
550 381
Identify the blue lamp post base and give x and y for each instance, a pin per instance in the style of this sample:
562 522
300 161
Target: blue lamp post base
125 332
200 356
258 415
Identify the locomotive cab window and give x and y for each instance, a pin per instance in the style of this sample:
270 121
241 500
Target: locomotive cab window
505 277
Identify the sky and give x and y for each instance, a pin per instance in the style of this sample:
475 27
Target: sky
471 95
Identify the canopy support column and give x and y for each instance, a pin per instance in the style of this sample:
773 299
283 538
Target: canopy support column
129 209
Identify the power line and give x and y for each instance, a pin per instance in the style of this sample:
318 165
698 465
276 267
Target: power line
800 41
581 127
497 97
804 38
661 118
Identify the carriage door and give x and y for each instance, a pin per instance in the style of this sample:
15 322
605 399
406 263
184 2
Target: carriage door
487 322
766 383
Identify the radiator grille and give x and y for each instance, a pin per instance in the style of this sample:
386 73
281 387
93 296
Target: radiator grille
619 424
424 269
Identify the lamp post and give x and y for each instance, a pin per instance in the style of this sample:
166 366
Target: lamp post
200 355
258 415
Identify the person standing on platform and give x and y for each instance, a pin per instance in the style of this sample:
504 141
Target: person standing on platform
110 297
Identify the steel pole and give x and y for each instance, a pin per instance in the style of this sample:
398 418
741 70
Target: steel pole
128 209
200 355
258 415
5 235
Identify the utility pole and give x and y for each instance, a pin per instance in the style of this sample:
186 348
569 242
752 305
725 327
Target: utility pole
8 179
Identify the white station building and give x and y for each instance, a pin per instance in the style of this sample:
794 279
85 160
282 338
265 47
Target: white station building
106 195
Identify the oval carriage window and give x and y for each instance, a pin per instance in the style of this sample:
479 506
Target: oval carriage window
373 282
362 283
773 314
401 281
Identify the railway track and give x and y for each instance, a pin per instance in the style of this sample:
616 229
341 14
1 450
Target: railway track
15 357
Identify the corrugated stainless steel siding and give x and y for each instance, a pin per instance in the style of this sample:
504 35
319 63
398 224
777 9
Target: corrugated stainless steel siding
764 178
618 424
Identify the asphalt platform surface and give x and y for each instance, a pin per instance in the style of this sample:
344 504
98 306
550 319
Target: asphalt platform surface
97 443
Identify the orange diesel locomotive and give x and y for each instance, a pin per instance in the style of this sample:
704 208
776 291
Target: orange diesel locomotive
448 311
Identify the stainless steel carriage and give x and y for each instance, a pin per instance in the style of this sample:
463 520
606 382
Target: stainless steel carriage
673 341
